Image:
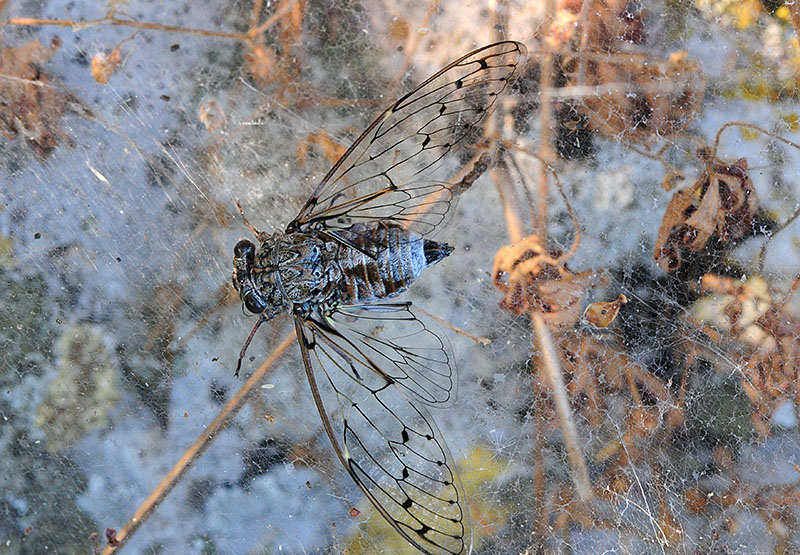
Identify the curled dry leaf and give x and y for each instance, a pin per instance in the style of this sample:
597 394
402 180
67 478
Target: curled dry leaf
768 341
722 203
532 278
30 105
104 65
601 314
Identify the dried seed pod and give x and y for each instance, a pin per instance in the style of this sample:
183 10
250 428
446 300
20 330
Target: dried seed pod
722 202
601 314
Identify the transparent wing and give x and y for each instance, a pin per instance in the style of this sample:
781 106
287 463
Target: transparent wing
381 176
368 371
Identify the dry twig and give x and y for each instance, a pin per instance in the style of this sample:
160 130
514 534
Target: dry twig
209 434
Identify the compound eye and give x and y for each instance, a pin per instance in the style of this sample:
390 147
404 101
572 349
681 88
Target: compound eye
254 304
244 249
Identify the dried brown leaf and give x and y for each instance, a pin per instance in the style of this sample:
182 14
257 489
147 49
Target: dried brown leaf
722 202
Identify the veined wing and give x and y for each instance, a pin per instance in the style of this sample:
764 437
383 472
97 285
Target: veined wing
381 176
389 340
378 427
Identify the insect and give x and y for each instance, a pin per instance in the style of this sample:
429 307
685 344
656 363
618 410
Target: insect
359 241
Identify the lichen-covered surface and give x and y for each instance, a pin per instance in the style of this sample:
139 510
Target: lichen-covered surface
125 146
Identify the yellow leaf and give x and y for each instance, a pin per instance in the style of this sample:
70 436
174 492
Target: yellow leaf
792 121
748 134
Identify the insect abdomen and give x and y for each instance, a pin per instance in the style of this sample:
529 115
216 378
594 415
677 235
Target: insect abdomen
396 258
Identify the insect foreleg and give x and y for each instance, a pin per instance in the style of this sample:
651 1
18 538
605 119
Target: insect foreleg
261 320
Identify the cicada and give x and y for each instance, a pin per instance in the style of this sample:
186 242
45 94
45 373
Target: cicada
360 240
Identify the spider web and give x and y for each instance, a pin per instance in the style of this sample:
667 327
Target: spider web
120 330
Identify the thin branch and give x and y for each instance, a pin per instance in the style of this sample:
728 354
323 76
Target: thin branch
789 293
576 241
255 13
751 126
191 455
763 252
462 180
412 41
476 338
283 10
569 430
546 150
586 8
580 475
116 22
611 88
502 180
575 222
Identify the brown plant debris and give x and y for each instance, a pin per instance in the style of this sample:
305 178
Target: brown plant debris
329 147
609 24
640 97
263 65
595 370
722 203
31 106
211 114
633 97
104 65
534 279
768 338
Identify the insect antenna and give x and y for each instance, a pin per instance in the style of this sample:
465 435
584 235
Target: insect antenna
261 320
260 235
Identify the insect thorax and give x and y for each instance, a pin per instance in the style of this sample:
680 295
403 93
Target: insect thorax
296 270
303 271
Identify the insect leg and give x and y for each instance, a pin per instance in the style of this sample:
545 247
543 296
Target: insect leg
261 320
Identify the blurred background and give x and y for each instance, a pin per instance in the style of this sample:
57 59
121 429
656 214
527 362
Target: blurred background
128 131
